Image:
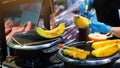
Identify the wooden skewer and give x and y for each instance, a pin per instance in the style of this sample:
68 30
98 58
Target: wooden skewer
53 21
16 40
109 35
53 15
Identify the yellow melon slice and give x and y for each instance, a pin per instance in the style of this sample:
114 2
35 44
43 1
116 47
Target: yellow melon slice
81 21
56 32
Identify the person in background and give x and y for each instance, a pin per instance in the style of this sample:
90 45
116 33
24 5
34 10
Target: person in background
108 11
98 26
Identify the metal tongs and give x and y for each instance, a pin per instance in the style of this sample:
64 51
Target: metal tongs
109 35
82 42
86 6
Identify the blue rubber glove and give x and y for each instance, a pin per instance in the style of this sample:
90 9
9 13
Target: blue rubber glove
91 1
82 8
73 1
97 26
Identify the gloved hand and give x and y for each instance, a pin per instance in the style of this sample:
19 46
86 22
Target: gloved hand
82 8
97 26
73 1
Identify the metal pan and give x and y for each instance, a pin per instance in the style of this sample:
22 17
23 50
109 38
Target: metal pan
32 41
90 61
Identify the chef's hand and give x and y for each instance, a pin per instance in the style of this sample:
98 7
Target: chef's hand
73 1
97 26
82 8
89 14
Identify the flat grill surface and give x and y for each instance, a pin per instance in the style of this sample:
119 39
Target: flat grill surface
30 37
89 48
90 60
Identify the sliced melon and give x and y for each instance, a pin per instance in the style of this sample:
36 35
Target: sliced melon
106 51
56 32
97 37
81 21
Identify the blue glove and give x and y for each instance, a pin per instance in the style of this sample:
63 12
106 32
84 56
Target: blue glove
99 26
82 8
90 1
73 1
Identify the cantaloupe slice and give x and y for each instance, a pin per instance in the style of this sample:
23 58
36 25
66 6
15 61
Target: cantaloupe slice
53 33
97 37
81 22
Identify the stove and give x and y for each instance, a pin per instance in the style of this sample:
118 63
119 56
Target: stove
40 53
34 62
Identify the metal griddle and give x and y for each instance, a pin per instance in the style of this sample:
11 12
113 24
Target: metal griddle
91 60
32 41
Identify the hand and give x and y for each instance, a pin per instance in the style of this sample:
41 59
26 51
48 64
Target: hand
91 1
82 9
99 26
73 1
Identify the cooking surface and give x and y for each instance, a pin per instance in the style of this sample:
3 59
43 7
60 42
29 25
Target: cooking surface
28 37
90 60
31 41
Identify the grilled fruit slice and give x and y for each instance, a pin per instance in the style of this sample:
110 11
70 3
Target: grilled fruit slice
100 44
76 53
81 22
56 32
106 51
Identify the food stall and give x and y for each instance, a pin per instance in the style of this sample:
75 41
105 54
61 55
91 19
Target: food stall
34 49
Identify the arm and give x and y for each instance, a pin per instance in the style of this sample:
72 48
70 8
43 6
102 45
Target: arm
115 31
97 26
